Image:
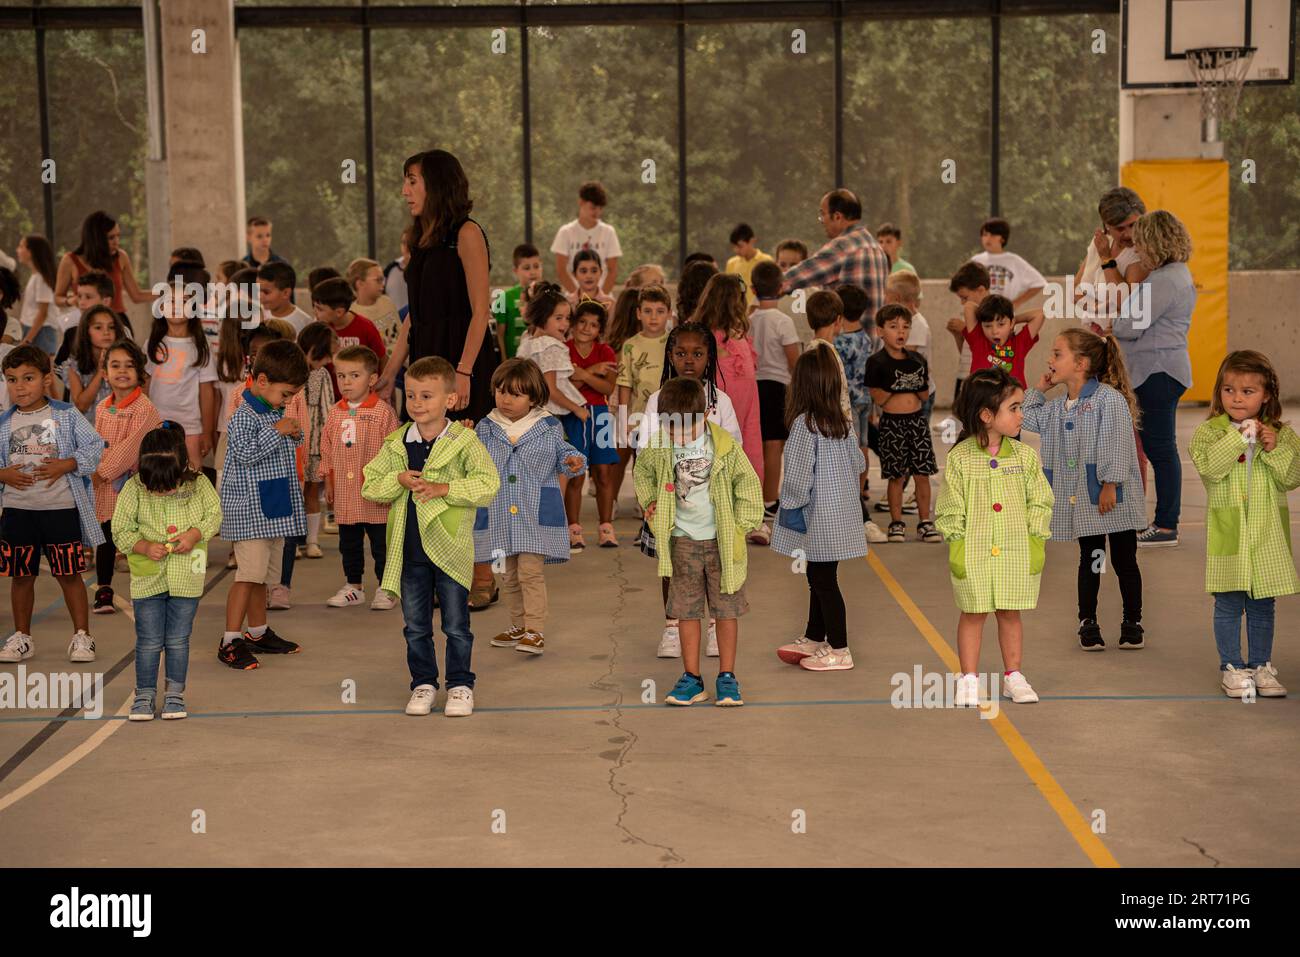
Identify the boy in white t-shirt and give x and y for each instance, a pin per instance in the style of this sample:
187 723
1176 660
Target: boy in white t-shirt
777 345
1009 275
588 231
275 282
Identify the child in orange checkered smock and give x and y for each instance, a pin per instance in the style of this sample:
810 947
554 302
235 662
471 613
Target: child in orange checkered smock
121 419
354 432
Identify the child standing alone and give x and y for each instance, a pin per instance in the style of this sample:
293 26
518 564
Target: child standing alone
995 512
524 524
701 496
163 521
1248 460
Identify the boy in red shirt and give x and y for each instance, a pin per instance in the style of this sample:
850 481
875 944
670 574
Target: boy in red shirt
353 434
990 333
331 301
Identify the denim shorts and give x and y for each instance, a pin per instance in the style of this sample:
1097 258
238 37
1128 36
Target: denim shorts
593 438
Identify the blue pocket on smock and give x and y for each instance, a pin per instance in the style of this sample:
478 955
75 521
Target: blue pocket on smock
275 498
480 519
1094 487
793 519
550 511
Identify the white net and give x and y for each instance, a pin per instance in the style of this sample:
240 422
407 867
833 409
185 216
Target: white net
1219 73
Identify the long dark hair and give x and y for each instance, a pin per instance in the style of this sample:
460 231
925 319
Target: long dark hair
42 257
690 287
985 389
623 325
186 273
710 376
82 350
446 195
94 241
815 394
164 461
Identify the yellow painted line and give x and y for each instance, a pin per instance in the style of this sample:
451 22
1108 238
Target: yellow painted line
109 728
1025 756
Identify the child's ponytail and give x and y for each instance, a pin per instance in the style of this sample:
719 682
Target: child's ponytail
1105 363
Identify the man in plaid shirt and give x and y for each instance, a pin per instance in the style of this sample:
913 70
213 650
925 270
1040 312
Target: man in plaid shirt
261 499
851 254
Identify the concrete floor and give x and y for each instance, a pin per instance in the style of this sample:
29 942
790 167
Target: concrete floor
564 757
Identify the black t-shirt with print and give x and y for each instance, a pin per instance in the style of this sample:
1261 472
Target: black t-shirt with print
908 374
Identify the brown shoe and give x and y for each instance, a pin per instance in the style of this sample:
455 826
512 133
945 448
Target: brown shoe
532 642
508 639
482 595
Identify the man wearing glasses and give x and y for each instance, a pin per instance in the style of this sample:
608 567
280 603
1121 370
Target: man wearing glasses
850 255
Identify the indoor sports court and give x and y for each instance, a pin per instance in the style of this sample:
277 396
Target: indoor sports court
184 118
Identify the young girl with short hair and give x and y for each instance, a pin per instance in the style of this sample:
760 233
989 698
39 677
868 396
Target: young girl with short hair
995 512
818 515
1090 459
163 520
1248 459
123 419
524 524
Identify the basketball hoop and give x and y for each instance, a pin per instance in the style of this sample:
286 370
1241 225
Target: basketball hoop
1220 73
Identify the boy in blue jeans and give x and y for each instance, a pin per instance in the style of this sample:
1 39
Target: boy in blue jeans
261 500
435 474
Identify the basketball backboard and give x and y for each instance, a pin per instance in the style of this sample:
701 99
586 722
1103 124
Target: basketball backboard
1156 35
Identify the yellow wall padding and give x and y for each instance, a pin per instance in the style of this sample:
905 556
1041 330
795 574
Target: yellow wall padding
1196 191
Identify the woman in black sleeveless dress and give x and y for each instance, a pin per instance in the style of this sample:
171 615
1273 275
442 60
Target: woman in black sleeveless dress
447 282
447 286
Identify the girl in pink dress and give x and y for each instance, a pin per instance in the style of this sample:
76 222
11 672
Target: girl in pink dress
723 310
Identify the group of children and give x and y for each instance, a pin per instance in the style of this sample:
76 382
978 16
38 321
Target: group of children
737 434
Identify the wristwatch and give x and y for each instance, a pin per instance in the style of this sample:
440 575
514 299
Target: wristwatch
1110 264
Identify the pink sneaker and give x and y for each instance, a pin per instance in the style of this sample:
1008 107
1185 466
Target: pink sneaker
798 650
277 598
576 544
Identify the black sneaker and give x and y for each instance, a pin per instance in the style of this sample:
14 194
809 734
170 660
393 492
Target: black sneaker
236 655
103 601
897 532
1090 636
271 644
1130 635
926 532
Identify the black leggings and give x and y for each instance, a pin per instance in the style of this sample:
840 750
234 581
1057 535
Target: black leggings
826 616
105 556
1123 558
352 546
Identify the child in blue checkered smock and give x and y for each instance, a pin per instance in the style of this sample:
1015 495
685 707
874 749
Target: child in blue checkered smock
524 527
819 522
1090 459
995 513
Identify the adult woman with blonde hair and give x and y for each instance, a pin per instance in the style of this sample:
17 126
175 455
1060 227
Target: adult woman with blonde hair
1152 326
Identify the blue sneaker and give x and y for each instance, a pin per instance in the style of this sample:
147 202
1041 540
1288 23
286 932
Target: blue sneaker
728 688
1153 537
688 690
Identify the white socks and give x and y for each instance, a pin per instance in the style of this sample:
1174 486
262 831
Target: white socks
313 527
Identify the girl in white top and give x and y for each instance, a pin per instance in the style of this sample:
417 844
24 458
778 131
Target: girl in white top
183 372
40 316
691 352
544 343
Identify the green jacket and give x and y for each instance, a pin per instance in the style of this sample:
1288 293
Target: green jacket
1248 530
734 490
446 524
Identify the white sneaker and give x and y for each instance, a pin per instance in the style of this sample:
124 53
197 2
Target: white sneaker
346 597
1015 687
670 645
1236 681
827 658
460 702
19 646
799 649
81 648
421 700
967 693
1266 683
711 647
382 601
278 599
874 535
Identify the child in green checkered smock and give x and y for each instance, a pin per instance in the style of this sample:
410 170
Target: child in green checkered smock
1248 461
995 512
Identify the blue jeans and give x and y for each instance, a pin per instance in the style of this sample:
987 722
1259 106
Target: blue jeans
420 580
47 340
1158 399
162 621
1228 609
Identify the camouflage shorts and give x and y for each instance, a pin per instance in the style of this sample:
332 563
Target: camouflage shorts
697 576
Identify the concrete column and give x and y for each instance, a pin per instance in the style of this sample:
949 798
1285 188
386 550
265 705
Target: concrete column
205 160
